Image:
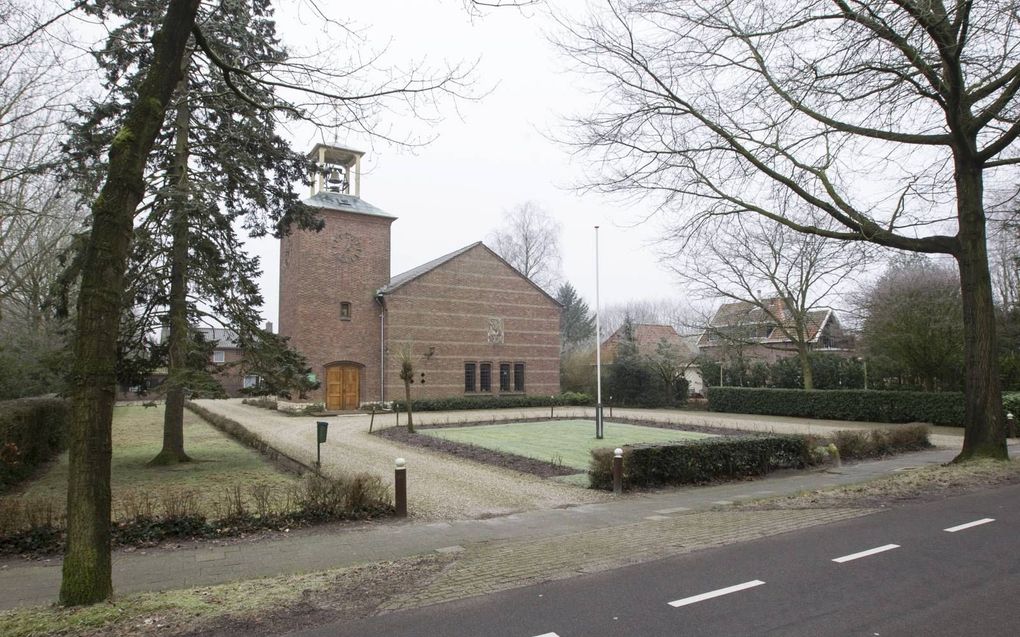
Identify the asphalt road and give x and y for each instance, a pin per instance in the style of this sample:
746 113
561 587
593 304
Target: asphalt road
899 572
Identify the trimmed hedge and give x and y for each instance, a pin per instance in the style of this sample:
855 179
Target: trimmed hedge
700 461
459 403
938 408
32 430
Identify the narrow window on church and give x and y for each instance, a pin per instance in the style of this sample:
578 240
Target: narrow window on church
345 311
469 377
486 377
504 377
518 376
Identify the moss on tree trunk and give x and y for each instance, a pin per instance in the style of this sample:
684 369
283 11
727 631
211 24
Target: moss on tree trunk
87 574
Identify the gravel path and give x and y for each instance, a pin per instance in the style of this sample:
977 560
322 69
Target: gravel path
440 487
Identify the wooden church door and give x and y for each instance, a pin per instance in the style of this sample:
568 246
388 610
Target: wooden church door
343 387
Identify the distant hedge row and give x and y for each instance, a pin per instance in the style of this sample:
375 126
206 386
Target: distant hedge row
460 403
32 430
938 408
700 461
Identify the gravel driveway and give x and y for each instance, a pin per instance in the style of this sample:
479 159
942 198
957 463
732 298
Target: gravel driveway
439 486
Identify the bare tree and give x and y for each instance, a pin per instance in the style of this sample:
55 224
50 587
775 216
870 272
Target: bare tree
913 322
1004 261
884 118
771 276
672 311
37 220
529 240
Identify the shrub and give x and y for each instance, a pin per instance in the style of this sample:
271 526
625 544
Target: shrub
858 444
263 402
939 408
32 430
1011 403
458 403
148 517
700 461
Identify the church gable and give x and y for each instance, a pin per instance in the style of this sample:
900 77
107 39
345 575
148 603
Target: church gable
473 311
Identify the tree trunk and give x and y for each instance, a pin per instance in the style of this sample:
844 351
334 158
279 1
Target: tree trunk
407 397
805 366
177 340
86 568
984 433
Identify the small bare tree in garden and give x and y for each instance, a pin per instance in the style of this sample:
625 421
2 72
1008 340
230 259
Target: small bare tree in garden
405 361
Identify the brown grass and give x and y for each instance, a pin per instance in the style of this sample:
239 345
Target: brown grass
915 484
221 466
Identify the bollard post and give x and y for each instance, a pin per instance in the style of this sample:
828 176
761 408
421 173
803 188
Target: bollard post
400 488
617 471
320 437
1010 426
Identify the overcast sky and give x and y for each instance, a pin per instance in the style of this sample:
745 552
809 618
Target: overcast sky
488 155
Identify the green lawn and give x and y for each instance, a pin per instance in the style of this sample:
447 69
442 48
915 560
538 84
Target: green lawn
220 464
567 442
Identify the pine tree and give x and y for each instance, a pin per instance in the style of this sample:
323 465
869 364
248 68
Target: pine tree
577 324
218 159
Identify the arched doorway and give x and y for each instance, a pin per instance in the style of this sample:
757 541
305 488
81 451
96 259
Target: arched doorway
343 386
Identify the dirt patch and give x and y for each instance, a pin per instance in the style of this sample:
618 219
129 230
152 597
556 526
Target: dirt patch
350 595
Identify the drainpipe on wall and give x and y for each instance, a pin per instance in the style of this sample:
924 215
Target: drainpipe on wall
382 347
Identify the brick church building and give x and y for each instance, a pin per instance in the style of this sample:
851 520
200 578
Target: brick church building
474 324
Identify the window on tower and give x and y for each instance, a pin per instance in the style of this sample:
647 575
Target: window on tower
469 377
345 311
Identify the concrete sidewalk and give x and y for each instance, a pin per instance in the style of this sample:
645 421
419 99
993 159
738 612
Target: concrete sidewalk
25 582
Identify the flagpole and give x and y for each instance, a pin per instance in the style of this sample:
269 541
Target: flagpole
598 346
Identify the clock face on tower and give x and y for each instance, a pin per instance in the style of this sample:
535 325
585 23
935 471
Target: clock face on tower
347 247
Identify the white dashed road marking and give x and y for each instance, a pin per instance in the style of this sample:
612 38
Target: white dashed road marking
718 593
857 556
960 527
547 635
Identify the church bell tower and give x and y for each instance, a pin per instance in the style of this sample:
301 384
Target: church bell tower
329 279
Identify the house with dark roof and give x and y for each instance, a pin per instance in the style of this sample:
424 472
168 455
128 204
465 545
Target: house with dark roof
475 326
764 333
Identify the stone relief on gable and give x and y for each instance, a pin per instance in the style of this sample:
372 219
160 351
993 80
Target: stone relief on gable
496 331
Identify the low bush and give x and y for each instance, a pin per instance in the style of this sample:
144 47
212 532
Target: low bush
859 444
1011 403
459 403
147 518
32 430
262 401
938 408
700 461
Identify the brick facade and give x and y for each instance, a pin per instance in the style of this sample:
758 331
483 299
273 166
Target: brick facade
346 262
454 311
444 309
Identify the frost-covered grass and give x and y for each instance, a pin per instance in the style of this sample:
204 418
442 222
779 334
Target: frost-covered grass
566 442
